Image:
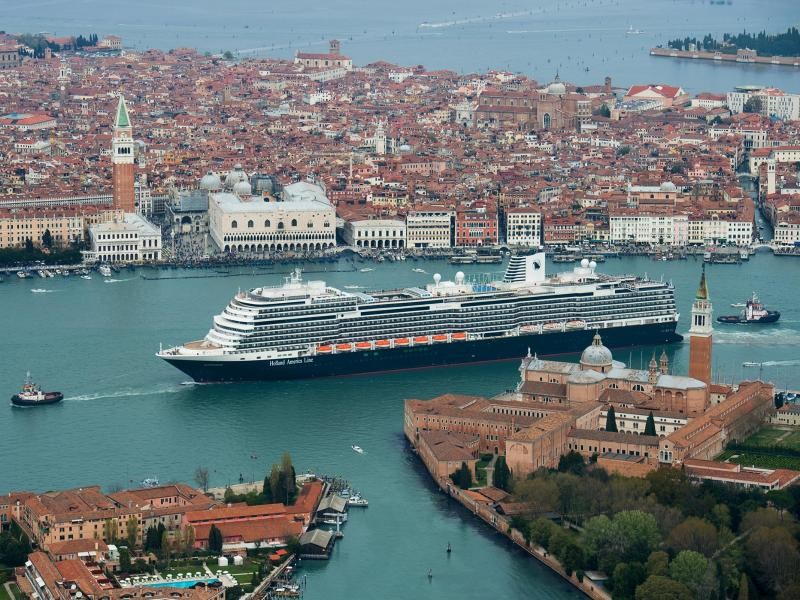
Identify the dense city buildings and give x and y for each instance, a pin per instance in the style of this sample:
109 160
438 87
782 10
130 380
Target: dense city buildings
457 160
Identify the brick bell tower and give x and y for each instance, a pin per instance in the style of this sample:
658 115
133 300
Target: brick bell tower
122 159
700 334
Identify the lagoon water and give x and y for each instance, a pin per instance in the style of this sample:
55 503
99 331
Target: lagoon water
582 40
127 415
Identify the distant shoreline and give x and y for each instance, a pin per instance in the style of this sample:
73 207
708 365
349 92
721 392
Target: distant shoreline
783 61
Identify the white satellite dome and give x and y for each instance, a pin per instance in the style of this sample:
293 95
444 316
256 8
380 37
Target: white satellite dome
460 277
437 278
585 263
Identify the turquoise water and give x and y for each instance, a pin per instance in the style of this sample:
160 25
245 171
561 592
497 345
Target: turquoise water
582 41
127 416
182 584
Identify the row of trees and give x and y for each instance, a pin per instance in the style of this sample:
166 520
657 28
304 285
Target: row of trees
663 536
779 44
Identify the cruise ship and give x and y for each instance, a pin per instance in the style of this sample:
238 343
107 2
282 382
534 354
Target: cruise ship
304 329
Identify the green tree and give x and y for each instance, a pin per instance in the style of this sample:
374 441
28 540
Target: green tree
626 578
657 587
109 531
166 546
611 420
276 484
28 245
215 540
125 560
188 539
289 480
658 563
772 557
540 531
689 568
266 491
462 476
132 531
694 534
752 105
650 426
541 493
227 55
623 150
47 239
744 588
501 477
603 111
572 462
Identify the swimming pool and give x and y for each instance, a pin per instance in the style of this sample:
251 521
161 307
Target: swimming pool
182 583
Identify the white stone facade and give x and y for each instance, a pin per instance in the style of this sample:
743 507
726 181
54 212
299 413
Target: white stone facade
430 228
524 228
672 230
375 233
303 220
132 239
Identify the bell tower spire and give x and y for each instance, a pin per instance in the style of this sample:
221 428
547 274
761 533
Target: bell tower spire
122 159
701 334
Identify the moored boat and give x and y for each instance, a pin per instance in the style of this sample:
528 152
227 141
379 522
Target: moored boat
32 395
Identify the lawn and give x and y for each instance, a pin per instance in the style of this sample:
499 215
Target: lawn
14 590
767 461
775 436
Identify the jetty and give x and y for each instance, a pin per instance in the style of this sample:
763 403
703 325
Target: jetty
741 56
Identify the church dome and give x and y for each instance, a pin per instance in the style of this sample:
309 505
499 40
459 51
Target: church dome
668 186
211 182
243 188
235 176
597 355
556 87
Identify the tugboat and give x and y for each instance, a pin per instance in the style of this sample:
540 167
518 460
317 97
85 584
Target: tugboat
753 312
32 395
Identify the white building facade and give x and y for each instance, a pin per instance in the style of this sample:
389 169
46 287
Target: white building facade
671 230
523 227
302 220
430 228
375 233
132 239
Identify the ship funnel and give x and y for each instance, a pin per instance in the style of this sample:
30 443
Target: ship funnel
525 269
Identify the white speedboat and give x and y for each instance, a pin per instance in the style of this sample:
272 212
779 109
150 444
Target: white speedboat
105 270
366 270
86 276
357 449
22 274
357 500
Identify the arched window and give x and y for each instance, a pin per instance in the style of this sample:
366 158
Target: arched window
280 224
326 224
546 121
310 225
638 387
234 224
250 224
267 223
294 222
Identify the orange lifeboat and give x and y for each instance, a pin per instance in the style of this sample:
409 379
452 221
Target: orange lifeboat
325 349
459 336
382 344
422 339
363 346
344 347
401 342
440 338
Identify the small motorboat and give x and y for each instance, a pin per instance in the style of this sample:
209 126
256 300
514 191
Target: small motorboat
357 500
32 395
86 276
150 482
105 270
357 449
750 364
